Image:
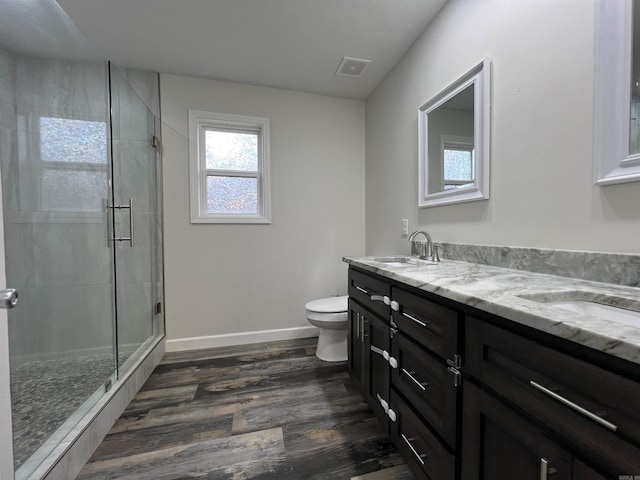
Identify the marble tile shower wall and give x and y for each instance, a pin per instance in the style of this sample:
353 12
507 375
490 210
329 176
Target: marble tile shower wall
8 123
616 268
61 224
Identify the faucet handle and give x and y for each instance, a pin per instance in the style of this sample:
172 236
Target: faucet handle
436 252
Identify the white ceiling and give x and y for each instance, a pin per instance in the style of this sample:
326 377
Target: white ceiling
292 44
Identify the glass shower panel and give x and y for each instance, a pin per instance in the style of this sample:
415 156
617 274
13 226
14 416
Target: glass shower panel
55 174
136 222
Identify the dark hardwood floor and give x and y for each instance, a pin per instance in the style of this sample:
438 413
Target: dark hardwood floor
262 411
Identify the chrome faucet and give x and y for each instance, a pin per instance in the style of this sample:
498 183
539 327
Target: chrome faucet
423 250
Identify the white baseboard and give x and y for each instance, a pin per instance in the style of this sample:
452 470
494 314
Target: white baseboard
243 338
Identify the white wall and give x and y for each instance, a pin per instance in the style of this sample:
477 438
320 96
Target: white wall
225 279
541 156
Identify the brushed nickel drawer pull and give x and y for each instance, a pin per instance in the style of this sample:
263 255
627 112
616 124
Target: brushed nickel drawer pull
418 456
544 465
574 406
374 297
411 317
377 350
421 385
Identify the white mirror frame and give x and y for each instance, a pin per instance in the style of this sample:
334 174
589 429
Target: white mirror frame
480 78
612 162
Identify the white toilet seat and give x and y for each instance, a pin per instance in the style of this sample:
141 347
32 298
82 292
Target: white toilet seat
329 305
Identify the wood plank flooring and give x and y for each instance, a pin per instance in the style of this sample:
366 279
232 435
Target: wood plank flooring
269 411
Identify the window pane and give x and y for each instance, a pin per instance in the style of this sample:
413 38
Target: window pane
67 140
231 151
458 165
70 190
232 195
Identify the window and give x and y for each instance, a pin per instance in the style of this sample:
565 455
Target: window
229 168
457 162
73 164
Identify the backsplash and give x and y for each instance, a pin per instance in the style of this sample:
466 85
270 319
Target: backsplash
617 268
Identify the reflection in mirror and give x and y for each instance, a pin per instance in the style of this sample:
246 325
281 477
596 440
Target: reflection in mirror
451 143
454 142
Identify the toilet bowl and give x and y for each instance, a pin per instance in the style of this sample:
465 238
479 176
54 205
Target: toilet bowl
331 317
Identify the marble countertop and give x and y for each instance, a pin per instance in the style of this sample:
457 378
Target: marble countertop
520 296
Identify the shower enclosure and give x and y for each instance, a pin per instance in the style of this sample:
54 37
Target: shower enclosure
81 181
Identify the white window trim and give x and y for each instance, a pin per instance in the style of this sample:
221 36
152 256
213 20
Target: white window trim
198 122
612 161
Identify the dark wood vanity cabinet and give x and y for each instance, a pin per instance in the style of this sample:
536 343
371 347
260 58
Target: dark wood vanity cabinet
369 341
546 408
470 396
398 344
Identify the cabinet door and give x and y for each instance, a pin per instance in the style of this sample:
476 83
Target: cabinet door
594 409
426 383
499 444
376 366
430 324
370 291
355 362
425 454
582 472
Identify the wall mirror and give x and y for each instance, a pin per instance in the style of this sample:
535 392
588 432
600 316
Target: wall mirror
453 135
616 135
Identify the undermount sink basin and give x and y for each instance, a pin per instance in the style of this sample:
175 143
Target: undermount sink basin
402 261
625 311
606 312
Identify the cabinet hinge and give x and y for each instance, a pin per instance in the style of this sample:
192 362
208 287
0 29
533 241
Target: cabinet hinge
457 376
456 362
155 141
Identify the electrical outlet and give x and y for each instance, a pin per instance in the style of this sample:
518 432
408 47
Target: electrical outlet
404 231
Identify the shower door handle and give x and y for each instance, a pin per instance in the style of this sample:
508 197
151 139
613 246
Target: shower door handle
124 207
8 298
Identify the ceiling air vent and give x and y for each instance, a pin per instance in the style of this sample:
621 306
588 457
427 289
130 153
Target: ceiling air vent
352 67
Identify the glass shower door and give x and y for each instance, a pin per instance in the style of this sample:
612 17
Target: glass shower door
55 177
135 218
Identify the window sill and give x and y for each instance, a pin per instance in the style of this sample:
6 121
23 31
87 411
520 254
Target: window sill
233 219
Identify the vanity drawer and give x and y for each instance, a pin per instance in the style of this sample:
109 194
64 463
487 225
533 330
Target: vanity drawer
427 457
370 292
426 383
428 323
592 408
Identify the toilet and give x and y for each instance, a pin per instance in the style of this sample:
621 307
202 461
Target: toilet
330 315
